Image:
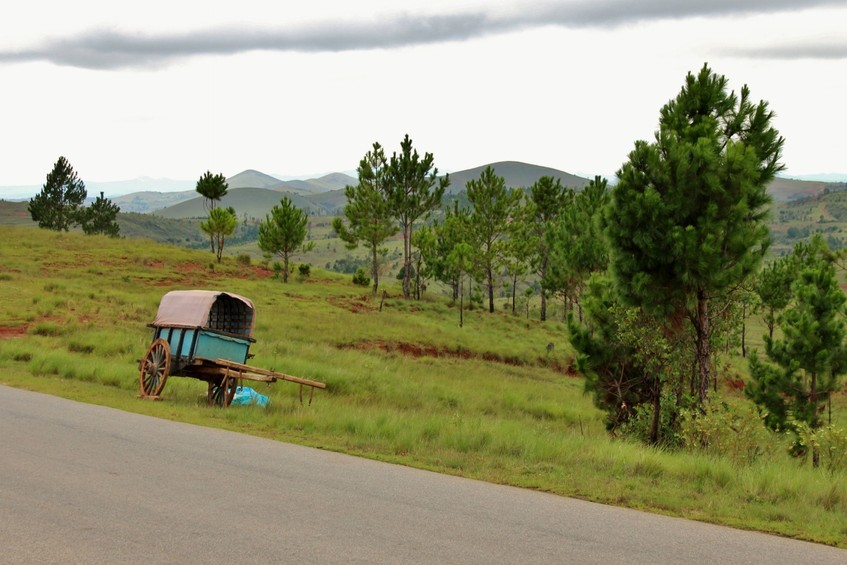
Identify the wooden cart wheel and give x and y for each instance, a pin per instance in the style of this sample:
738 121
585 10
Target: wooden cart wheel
155 368
222 392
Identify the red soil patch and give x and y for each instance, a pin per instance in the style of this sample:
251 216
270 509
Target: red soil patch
415 351
735 384
7 332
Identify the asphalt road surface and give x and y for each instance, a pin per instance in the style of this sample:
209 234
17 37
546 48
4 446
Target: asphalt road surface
88 484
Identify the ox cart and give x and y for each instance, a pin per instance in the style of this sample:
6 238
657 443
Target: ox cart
206 335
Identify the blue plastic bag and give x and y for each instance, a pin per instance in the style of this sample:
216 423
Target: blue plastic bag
246 396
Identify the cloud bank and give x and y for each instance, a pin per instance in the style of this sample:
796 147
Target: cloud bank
106 49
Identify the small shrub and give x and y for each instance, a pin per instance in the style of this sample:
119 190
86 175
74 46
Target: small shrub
737 434
361 278
305 269
243 259
829 441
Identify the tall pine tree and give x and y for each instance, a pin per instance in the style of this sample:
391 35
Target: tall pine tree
59 204
493 208
414 192
688 220
368 210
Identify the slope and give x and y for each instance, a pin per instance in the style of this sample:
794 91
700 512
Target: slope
254 202
516 175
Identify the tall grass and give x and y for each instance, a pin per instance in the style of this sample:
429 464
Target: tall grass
406 385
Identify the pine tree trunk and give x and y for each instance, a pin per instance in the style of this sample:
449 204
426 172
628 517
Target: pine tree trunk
285 268
744 330
514 291
461 301
703 350
543 274
375 270
490 274
407 261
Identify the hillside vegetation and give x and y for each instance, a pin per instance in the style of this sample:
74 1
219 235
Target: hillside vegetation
497 400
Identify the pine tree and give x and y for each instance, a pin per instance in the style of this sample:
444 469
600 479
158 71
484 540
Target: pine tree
59 204
283 232
577 244
812 355
773 289
212 188
493 208
688 220
414 192
547 200
220 224
368 211
101 217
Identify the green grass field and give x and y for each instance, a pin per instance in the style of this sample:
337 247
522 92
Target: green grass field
406 384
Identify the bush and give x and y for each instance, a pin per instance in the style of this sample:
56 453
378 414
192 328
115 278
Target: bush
830 442
738 434
305 269
243 259
361 278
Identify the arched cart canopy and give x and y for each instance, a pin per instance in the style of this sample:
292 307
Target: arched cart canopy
221 311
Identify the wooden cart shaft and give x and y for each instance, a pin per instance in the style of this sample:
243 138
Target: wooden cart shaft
223 366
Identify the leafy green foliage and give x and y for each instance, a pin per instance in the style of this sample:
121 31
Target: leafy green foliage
812 355
212 188
453 230
773 288
59 204
361 278
614 376
220 224
688 220
101 217
576 241
283 232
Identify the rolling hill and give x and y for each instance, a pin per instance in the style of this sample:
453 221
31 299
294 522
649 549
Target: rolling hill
325 195
516 175
785 190
254 202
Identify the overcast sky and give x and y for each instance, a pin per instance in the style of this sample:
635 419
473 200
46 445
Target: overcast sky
170 89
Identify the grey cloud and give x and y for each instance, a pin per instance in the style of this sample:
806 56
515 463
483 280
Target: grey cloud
103 49
835 50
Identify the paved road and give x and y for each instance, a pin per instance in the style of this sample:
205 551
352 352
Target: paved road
87 484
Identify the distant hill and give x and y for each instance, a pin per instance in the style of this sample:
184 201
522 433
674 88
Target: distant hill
150 201
516 175
326 183
255 202
252 179
785 190
332 202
